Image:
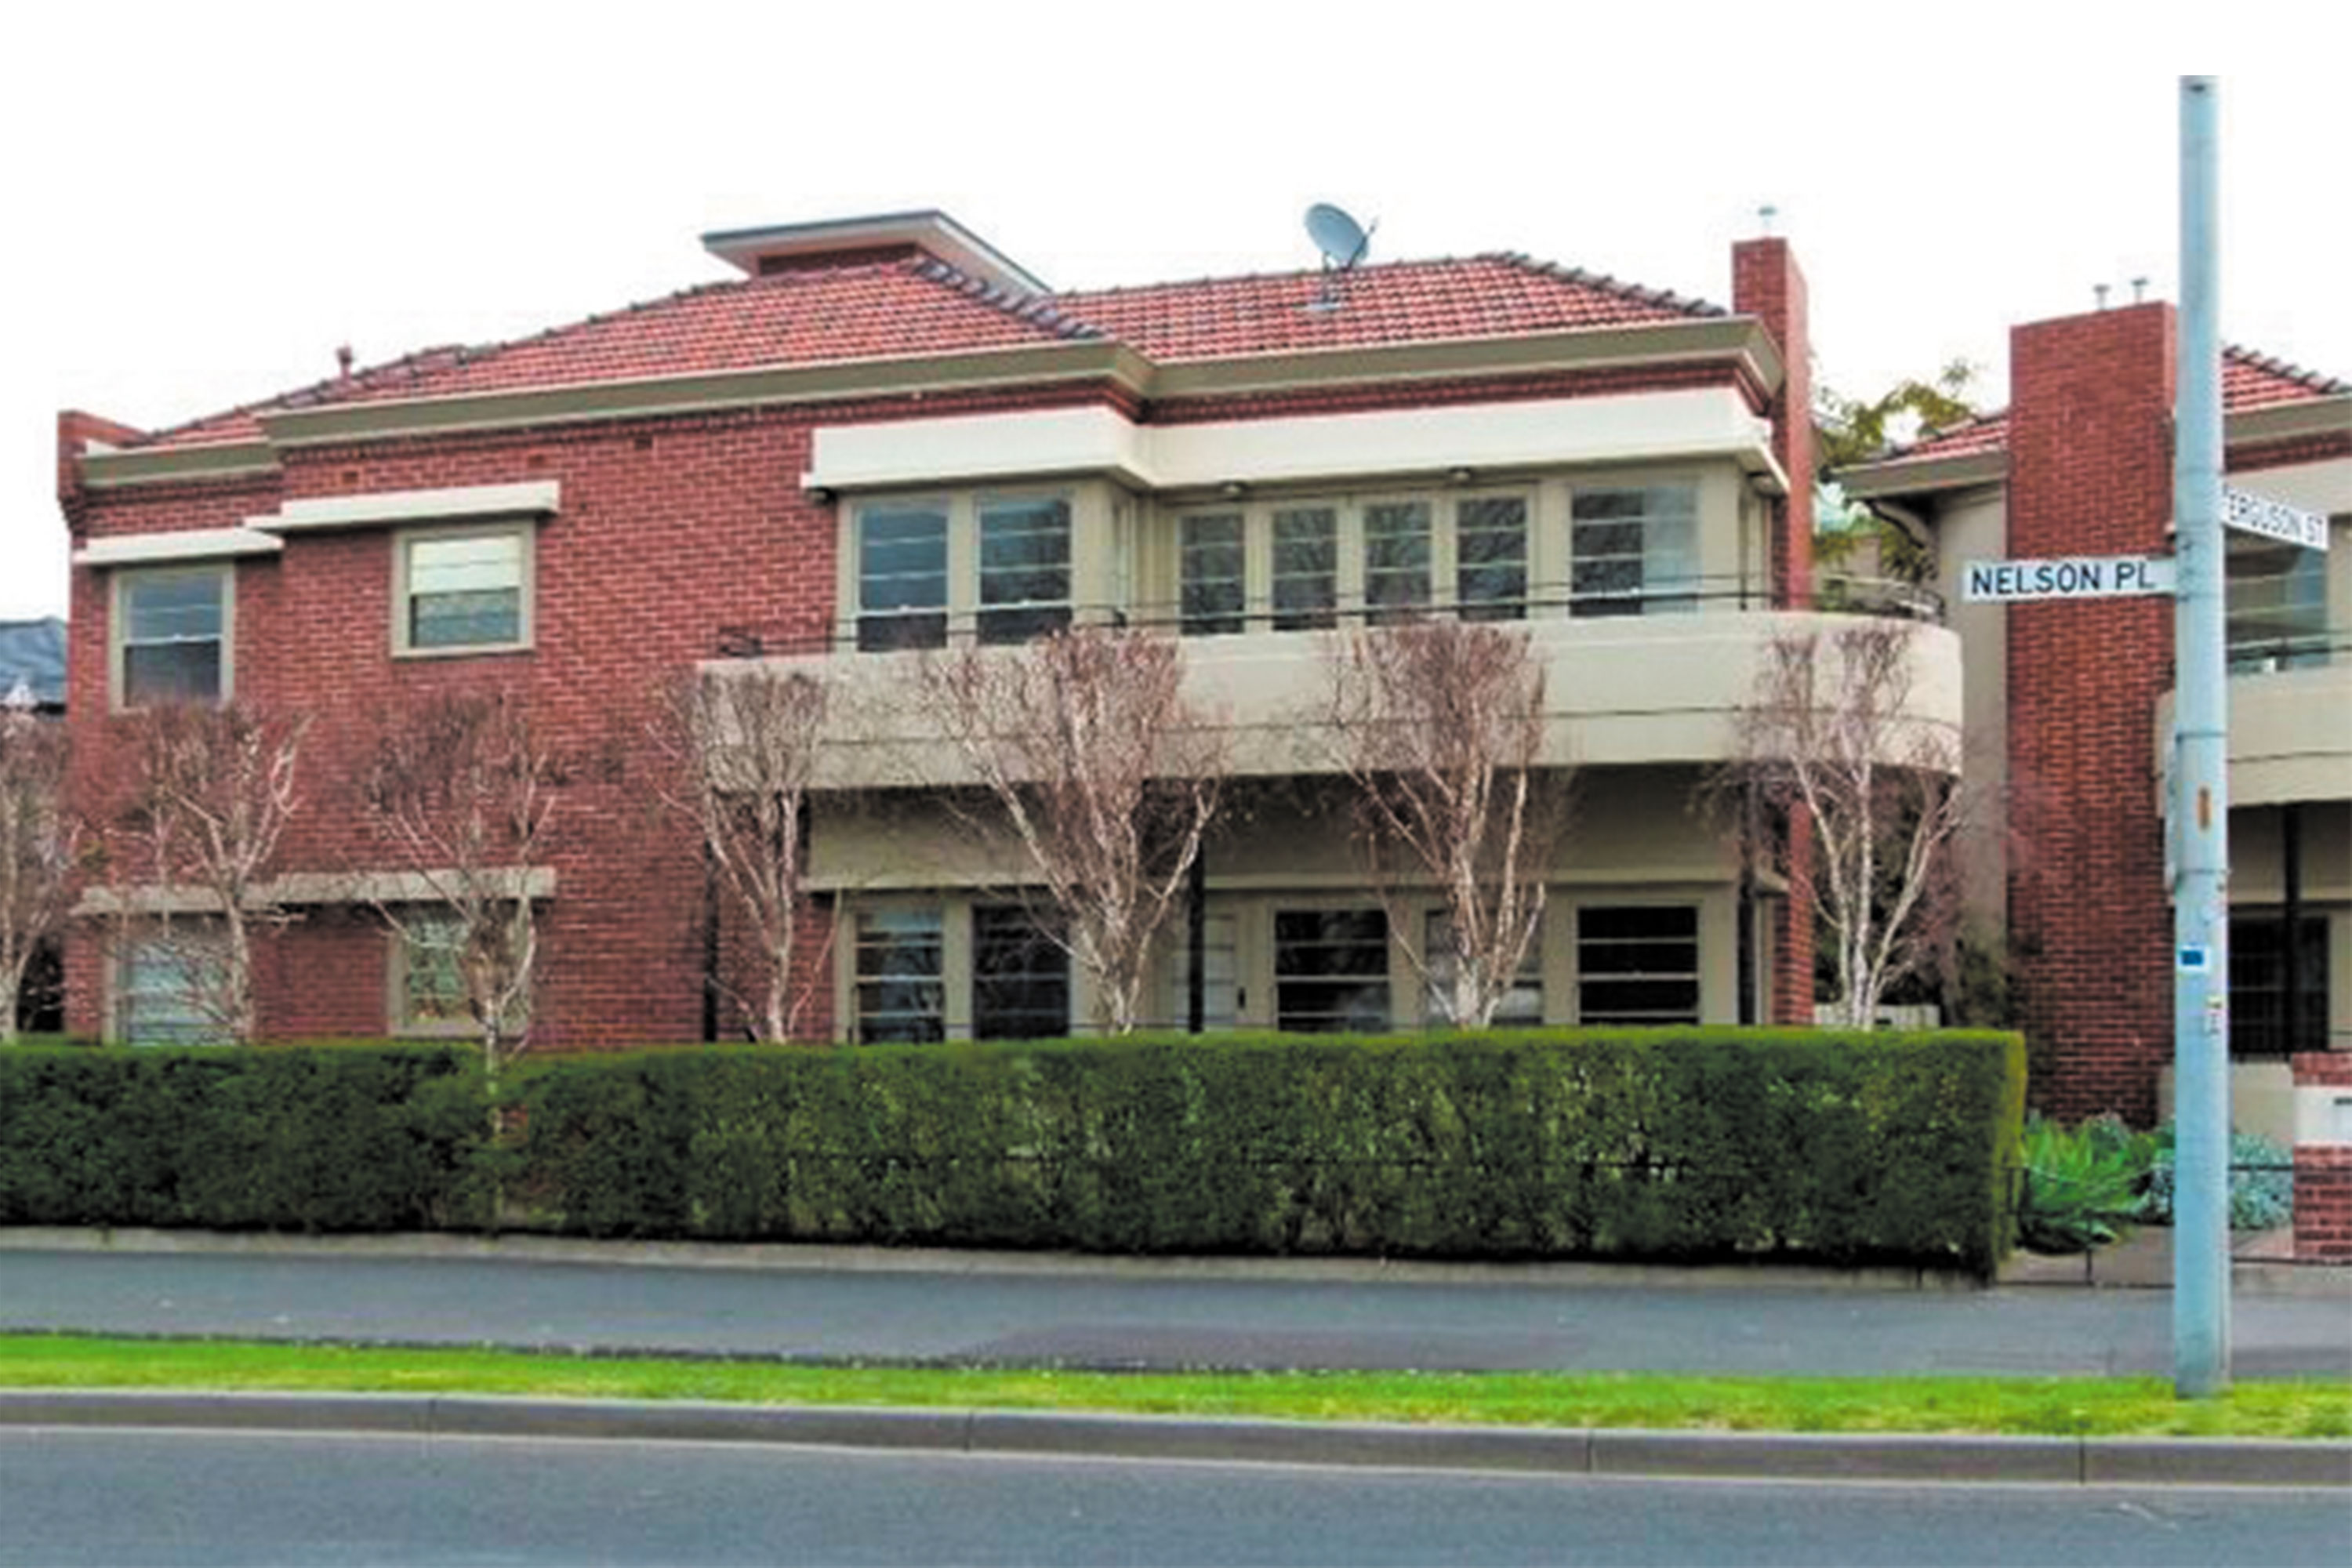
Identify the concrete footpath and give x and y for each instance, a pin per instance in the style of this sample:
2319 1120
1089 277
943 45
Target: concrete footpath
985 1309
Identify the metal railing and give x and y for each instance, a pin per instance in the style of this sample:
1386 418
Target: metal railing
933 628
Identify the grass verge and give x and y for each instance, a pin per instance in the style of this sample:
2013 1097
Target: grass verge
2049 1406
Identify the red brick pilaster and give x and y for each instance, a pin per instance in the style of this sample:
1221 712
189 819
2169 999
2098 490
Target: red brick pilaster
2090 473
2323 1172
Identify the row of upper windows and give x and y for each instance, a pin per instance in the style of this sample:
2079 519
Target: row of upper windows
455 591
1284 566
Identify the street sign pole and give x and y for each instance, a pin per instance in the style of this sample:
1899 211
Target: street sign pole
2200 800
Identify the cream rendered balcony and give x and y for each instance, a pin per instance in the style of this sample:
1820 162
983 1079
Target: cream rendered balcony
1621 689
2290 723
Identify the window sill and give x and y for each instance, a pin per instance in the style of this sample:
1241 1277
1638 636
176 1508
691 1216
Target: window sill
471 650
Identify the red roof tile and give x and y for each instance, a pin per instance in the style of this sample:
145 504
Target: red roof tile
1405 301
2249 380
913 307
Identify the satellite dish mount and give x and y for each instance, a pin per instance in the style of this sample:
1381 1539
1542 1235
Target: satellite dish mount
1343 242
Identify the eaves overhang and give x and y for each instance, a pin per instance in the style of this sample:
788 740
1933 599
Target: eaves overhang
1739 341
2289 421
1921 476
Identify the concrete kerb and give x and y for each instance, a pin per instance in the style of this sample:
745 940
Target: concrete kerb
1812 1457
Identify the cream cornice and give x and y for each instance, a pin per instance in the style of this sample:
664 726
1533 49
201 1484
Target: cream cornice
1872 481
169 464
188 544
2289 421
1672 343
381 508
660 395
534 882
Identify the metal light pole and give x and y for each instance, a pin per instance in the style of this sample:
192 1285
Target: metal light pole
2200 790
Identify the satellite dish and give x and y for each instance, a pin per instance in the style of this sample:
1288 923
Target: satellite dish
1341 239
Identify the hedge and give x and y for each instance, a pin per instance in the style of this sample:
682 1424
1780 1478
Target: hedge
328 1138
1682 1143
1687 1143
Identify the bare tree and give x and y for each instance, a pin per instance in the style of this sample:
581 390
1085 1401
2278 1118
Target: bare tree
39 847
1440 724
1103 773
205 795
1828 732
738 748
461 789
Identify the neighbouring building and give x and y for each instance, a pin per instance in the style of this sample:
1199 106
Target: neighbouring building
886 437
2069 705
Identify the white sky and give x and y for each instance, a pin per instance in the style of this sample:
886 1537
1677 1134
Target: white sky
201 201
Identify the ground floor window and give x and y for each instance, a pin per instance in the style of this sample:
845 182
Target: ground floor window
1637 963
168 986
429 994
2259 1005
901 994
1020 976
1331 969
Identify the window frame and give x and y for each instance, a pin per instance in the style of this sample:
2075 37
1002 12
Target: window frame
1013 611
1038 939
1277 910
196 935
404 541
936 981
399 955
1697 976
119 643
1643 598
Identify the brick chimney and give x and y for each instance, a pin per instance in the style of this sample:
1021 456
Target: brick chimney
1767 283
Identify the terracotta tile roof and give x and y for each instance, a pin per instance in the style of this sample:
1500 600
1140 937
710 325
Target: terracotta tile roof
2249 380
911 308
1493 296
886 310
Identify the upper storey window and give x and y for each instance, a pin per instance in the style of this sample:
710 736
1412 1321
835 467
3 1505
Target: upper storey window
1024 568
902 575
171 635
1490 573
998 566
1633 550
464 590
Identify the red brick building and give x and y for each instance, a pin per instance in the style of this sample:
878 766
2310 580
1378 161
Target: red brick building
885 434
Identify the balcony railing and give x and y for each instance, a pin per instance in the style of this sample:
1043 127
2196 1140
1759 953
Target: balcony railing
912 629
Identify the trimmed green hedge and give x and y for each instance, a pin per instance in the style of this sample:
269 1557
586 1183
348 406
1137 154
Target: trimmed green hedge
330 1138
1684 1143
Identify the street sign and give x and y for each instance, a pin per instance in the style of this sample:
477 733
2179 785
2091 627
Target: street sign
2065 577
2251 513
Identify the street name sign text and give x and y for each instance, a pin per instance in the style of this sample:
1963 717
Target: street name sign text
2065 577
2251 513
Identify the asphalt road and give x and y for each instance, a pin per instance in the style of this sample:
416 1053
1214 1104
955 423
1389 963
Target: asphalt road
138 1497
1140 1315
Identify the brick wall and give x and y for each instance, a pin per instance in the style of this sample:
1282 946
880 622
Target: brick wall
2090 473
2323 1172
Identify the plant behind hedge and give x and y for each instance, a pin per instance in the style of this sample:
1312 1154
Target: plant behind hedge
1682 1144
336 1138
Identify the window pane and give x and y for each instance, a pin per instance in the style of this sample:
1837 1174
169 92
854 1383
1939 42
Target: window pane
165 982
1220 972
1637 964
902 565
1210 549
2258 995
899 993
1305 567
1396 558
1020 977
466 620
173 672
1025 561
2277 607
1331 970
1491 554
173 636
465 592
1634 549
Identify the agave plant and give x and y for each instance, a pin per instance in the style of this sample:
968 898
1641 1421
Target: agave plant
2081 1187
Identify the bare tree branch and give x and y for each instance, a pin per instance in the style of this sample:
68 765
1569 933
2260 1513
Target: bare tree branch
460 789
1828 732
738 747
1440 725
39 847
205 799
1103 774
